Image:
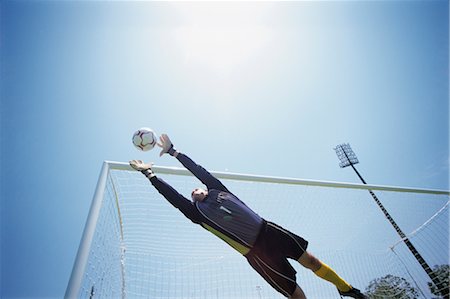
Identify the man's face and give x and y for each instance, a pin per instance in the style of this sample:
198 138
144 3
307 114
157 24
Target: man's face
199 194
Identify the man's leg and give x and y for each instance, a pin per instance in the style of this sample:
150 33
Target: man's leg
279 274
322 270
298 294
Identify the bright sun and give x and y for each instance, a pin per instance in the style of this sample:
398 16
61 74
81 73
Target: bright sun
221 36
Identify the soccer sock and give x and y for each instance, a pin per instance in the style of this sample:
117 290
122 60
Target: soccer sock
325 272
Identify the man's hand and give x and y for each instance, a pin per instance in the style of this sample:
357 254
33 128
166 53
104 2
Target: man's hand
141 166
166 145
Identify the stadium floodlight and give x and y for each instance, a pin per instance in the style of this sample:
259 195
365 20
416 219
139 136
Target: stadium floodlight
348 158
346 155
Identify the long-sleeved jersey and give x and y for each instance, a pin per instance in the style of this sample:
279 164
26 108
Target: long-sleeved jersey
221 212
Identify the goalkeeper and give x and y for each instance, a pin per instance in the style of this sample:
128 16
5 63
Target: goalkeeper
265 245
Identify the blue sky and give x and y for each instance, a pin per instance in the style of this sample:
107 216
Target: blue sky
258 87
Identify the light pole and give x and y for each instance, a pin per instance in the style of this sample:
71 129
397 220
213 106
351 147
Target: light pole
348 158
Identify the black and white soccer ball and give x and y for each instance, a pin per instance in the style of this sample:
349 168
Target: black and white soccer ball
144 139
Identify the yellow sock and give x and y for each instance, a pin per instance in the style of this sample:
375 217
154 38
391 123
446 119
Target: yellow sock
325 272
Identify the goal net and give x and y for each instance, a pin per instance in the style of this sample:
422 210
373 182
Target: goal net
136 245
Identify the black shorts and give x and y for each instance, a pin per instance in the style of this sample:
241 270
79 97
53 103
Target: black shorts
269 257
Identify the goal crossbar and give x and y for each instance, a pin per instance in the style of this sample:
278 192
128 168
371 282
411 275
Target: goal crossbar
281 180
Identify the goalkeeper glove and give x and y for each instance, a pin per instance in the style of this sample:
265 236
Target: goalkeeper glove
145 168
166 145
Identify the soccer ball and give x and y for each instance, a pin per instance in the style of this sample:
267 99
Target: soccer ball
144 139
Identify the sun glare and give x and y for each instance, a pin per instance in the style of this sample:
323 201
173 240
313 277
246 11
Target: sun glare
221 36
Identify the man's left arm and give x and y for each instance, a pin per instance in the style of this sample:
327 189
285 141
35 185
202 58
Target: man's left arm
198 171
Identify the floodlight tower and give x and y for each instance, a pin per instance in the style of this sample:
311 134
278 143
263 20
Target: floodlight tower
348 158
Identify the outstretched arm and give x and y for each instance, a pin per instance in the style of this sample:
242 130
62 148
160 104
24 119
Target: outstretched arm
176 199
198 171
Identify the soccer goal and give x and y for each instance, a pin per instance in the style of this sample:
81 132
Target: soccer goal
136 245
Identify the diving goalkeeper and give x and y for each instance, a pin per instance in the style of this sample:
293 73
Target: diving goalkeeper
264 244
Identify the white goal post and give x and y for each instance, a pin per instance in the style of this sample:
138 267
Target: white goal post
81 262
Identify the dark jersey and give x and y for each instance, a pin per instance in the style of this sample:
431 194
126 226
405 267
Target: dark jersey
222 213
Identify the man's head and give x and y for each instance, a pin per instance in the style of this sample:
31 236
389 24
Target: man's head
199 194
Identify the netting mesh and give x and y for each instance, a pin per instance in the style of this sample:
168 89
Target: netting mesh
103 276
432 242
144 248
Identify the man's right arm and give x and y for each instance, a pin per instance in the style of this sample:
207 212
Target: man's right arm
176 199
